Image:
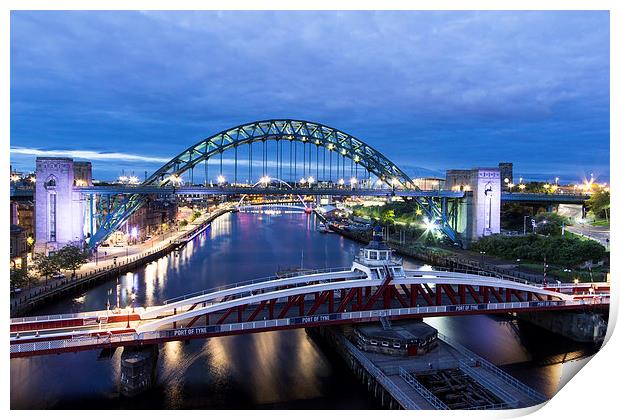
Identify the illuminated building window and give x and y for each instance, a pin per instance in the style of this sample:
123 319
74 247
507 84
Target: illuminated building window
52 229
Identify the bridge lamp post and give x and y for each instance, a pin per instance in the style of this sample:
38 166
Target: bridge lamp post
353 181
310 181
265 180
302 181
522 187
510 186
220 179
341 182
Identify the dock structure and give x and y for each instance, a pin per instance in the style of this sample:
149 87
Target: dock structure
446 378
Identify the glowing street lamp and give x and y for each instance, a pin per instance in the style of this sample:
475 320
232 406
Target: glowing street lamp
175 179
133 179
510 186
302 181
521 187
353 181
418 211
32 179
221 179
310 181
341 182
123 179
429 225
15 178
265 180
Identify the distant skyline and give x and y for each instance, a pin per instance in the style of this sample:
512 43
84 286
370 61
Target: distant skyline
430 90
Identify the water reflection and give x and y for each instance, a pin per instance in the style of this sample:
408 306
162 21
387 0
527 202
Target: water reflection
268 370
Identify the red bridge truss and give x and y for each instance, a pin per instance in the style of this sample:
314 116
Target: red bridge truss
320 298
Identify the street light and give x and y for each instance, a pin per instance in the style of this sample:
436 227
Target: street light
310 181
133 301
353 181
341 182
429 225
221 179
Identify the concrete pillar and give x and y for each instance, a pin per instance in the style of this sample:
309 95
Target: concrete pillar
60 211
138 369
479 212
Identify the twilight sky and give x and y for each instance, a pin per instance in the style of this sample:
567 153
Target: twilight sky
431 90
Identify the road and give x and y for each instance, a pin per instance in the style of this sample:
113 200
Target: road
597 233
106 257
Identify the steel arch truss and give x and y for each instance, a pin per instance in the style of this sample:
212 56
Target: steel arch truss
279 130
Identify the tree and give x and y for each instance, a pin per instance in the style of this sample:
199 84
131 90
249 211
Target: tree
71 257
20 278
183 223
550 223
598 203
46 265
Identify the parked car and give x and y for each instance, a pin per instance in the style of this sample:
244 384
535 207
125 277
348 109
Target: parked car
57 276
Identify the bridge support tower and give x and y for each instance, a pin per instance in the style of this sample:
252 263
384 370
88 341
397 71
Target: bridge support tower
60 211
479 211
138 369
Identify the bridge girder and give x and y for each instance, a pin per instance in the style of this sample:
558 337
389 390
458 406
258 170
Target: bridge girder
305 132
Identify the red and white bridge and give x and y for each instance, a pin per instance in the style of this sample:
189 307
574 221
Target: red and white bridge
376 286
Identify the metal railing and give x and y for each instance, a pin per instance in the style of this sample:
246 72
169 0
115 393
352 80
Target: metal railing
425 393
535 395
406 402
508 400
75 343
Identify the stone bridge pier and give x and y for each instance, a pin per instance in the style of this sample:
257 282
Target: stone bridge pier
138 369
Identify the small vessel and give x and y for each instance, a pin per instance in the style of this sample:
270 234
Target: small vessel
323 228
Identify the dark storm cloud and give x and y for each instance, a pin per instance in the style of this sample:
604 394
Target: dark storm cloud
431 90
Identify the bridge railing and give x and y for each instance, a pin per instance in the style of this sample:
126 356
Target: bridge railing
508 400
84 341
255 281
428 396
405 401
473 357
482 273
43 318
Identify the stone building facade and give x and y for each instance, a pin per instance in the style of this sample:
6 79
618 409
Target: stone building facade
60 212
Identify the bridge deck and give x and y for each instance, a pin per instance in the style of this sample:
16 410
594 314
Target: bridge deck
316 299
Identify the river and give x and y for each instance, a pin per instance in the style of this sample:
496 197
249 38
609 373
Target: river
274 370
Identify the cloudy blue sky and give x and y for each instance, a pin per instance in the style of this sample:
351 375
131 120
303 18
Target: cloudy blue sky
431 90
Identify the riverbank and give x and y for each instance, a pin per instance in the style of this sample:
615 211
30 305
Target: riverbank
453 259
44 294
